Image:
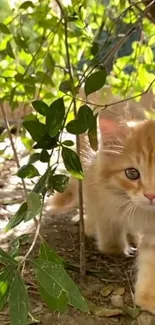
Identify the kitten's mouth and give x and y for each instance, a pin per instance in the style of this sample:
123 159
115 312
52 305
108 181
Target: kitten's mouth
147 206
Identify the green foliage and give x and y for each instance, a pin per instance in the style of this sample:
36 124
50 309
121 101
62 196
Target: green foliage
36 129
5 280
55 117
34 205
72 162
6 258
28 171
18 217
18 301
40 107
83 122
58 182
95 81
44 55
55 286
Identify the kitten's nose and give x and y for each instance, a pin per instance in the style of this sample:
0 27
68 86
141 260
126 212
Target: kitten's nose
150 196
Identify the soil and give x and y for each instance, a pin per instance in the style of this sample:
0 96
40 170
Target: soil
106 275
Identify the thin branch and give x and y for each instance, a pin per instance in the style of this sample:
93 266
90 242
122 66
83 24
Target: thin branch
80 187
12 144
36 235
103 106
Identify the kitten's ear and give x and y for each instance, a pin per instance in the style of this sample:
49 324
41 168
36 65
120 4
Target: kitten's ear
112 130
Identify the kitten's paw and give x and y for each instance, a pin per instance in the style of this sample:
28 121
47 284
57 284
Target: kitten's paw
146 300
130 251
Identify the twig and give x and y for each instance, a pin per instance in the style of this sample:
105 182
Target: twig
80 188
12 144
36 235
117 102
76 268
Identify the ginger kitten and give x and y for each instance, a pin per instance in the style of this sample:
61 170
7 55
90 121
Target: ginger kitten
119 196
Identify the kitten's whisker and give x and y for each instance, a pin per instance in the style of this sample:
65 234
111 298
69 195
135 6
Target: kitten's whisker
126 211
111 152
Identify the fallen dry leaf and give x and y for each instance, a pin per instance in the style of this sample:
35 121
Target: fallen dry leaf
107 312
106 291
133 311
119 291
101 311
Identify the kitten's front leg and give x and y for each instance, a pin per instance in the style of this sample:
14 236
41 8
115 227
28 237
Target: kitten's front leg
111 238
145 285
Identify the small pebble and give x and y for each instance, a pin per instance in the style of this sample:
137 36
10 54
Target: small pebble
146 319
134 322
117 301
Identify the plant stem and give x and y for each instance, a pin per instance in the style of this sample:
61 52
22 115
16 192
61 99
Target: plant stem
80 187
36 235
12 144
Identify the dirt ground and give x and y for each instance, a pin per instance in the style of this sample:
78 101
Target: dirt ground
109 282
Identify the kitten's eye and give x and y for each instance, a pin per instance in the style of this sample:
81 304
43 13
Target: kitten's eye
132 173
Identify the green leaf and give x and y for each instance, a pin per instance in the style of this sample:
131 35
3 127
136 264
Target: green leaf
19 77
72 162
9 50
18 217
68 143
65 86
48 254
12 93
36 129
6 258
44 156
95 48
47 142
4 29
44 78
5 280
28 171
53 279
148 55
85 116
21 42
92 134
58 182
95 81
14 247
54 303
26 5
30 90
82 123
18 301
40 185
33 158
55 117
133 311
40 107
30 117
49 63
34 206
74 127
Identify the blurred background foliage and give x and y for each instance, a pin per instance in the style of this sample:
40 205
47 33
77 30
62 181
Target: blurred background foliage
33 55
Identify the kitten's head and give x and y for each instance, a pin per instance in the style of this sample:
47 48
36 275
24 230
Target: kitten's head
128 160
